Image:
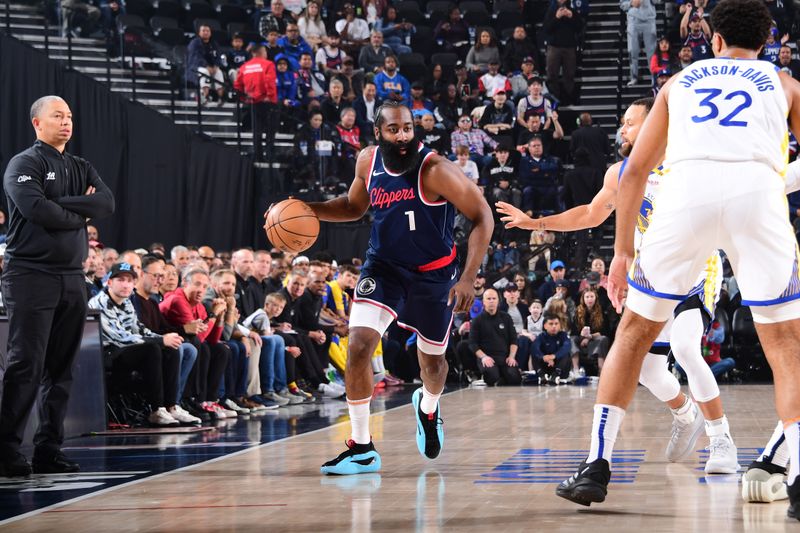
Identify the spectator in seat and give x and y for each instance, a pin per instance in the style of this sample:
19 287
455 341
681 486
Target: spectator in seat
147 286
286 81
562 25
696 34
235 57
332 106
519 81
109 11
772 47
242 266
204 58
129 346
352 80
534 103
712 347
436 83
293 45
272 46
180 257
259 284
534 127
562 294
309 164
170 282
390 84
372 57
78 14
467 86
518 50
89 265
311 25
551 351
548 288
539 177
500 177
474 139
593 139
518 312
365 106
449 108
311 83
437 139
350 135
600 280
641 16
787 64
684 58
590 330
276 19
330 57
535 323
395 34
418 101
493 80
463 162
452 34
493 341
483 52
184 306
662 58
110 256
354 31
498 117
257 79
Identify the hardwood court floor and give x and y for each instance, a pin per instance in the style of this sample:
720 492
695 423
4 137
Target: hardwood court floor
505 449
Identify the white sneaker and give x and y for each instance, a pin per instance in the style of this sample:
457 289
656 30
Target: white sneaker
223 412
722 456
478 383
684 436
160 417
338 387
329 391
229 404
632 82
764 484
181 415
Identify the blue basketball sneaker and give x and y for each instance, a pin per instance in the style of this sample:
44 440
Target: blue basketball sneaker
430 435
357 459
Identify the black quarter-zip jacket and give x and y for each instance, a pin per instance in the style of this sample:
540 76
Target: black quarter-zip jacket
48 208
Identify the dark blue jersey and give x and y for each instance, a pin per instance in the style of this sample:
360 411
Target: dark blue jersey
408 229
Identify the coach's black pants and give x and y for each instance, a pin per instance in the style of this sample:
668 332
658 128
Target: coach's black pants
158 366
46 313
207 372
264 125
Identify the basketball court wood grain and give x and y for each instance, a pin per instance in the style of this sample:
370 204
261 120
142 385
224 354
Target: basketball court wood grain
504 451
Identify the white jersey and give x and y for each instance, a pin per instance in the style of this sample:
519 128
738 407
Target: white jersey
728 110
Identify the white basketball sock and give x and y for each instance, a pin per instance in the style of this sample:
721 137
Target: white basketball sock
686 413
429 400
605 426
776 451
792 433
718 428
359 420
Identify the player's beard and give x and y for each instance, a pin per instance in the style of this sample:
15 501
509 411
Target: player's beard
626 148
395 161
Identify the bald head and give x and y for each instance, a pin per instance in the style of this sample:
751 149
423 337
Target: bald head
242 262
39 105
52 120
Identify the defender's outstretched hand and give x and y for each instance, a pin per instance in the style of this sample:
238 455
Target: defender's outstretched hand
514 217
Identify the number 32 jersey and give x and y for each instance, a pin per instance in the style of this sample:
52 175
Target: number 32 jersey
728 110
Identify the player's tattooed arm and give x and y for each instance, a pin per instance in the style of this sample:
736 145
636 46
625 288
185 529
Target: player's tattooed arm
354 205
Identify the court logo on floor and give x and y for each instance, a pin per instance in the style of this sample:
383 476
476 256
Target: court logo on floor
544 465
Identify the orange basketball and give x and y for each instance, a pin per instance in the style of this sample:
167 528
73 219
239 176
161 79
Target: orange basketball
292 226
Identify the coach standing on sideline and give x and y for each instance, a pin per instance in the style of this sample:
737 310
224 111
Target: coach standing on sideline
51 194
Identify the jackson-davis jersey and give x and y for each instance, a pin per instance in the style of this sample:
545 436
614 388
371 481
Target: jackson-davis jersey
709 283
408 229
728 110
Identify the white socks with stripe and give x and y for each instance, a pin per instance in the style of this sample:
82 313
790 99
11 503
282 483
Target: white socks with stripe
776 451
359 420
605 426
719 428
792 433
686 413
429 401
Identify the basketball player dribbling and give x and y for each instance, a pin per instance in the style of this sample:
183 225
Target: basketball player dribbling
410 274
722 123
684 332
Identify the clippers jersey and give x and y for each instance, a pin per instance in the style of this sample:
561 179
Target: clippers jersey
408 230
709 283
729 110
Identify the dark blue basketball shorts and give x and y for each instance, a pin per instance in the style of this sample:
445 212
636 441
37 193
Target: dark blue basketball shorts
417 300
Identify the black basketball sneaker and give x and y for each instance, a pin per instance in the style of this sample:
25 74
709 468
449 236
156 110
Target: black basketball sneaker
794 500
588 484
357 459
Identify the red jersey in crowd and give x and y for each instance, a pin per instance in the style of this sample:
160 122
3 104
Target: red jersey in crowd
351 136
257 79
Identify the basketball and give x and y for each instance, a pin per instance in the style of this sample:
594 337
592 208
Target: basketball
292 226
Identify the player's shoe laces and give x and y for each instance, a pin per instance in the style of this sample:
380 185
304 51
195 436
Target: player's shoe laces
684 437
430 434
764 482
357 459
722 456
587 485
794 500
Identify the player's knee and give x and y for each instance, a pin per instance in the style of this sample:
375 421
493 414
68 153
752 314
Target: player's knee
360 346
435 364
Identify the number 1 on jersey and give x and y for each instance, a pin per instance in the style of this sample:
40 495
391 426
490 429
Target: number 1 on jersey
412 224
